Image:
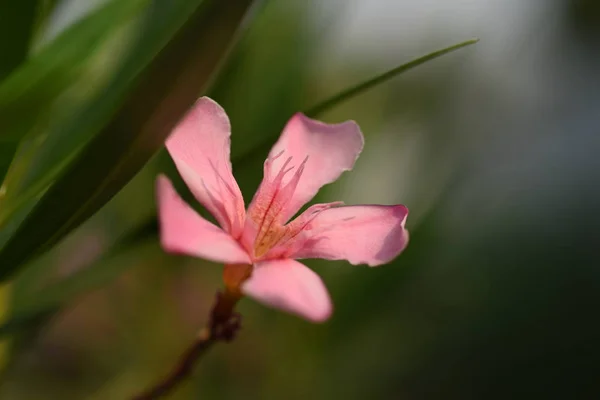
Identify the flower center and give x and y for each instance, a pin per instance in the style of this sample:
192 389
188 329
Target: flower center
268 240
269 208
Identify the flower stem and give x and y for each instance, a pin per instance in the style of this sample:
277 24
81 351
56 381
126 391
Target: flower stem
223 325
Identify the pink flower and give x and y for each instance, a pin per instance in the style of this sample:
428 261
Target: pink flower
308 155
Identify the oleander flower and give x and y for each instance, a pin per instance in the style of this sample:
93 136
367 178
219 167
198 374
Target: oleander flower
259 246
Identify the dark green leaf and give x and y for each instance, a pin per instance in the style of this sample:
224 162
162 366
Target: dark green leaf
7 151
17 19
177 55
30 193
29 90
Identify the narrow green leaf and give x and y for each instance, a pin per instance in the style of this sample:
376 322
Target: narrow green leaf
17 20
7 151
174 61
353 91
364 86
30 192
30 90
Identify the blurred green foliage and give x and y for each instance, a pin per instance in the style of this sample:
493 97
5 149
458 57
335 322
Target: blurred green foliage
160 78
493 151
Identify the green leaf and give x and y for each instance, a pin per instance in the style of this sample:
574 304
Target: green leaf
17 20
355 90
29 91
364 86
47 301
7 151
174 60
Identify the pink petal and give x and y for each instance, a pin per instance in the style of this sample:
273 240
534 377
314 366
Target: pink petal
295 233
200 148
183 231
290 286
367 234
331 149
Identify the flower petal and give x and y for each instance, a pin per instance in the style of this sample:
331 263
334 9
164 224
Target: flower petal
331 149
200 148
366 234
184 231
290 286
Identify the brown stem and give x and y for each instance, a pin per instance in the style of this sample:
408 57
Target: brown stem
223 325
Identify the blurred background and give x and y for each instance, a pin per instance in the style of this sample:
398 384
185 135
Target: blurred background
494 150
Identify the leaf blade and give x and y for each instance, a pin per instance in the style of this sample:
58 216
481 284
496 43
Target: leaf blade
17 20
346 94
366 85
31 88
